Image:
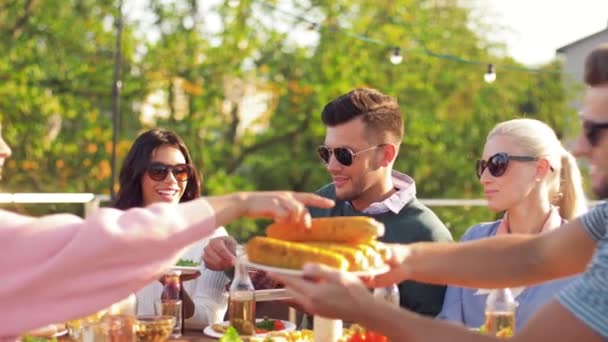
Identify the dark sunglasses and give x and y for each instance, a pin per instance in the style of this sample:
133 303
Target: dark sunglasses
159 171
344 155
592 131
498 163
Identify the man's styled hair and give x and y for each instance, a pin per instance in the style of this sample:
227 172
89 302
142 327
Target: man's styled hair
596 66
379 112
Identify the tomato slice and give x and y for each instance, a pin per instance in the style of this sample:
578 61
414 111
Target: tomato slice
375 337
358 337
279 325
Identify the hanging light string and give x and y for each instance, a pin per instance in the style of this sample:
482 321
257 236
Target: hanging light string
396 55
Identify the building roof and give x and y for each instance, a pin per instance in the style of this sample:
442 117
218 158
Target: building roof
568 46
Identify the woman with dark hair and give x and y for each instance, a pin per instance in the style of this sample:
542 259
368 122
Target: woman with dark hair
140 159
158 168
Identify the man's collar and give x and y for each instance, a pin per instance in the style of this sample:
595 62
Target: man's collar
406 190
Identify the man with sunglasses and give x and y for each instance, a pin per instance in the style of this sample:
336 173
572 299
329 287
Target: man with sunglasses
578 313
364 130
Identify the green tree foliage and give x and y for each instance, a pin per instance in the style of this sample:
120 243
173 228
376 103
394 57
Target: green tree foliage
55 96
211 67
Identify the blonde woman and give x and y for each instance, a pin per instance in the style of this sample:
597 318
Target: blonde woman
526 173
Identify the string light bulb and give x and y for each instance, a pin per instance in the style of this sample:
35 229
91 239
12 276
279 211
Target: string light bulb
313 27
396 56
490 75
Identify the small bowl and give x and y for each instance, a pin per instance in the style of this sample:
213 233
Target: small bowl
154 328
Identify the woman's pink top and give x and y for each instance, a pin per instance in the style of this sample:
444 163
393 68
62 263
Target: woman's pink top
60 267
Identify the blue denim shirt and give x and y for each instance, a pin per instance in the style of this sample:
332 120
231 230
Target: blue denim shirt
467 306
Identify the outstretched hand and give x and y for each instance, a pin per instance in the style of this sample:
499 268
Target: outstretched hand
220 253
285 206
396 259
328 292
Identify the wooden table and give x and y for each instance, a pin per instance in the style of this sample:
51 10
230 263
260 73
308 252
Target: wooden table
194 335
189 336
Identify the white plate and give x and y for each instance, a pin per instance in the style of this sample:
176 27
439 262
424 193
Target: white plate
186 269
210 332
288 271
61 332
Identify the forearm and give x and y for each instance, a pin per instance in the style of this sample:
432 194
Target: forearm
111 254
401 325
501 261
496 262
188 305
228 207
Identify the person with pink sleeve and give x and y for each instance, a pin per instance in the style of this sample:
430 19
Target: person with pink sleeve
59 267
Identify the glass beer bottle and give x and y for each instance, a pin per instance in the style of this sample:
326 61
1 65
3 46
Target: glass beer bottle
170 302
500 313
241 302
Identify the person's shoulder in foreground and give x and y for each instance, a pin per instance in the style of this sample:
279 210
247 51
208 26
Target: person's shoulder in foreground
587 297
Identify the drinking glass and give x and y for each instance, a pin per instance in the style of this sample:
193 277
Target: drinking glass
171 307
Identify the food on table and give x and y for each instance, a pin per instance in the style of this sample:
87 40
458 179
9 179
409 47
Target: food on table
346 243
75 326
357 333
30 338
219 328
243 326
267 325
305 335
293 255
263 326
231 335
187 263
154 328
353 229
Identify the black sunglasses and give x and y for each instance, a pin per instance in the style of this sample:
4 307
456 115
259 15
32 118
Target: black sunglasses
344 155
498 163
592 131
159 171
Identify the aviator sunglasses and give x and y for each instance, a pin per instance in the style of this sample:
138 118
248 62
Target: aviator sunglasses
498 163
159 171
344 155
592 131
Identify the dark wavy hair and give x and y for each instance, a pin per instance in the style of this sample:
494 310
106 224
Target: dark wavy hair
137 160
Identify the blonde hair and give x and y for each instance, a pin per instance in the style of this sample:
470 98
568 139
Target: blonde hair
565 182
